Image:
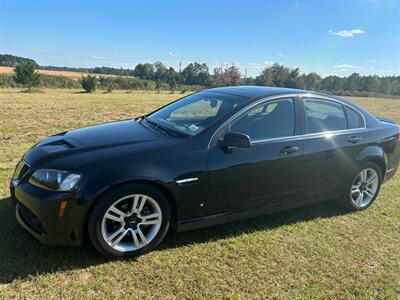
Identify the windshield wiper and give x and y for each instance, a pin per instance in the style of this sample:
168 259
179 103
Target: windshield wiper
159 127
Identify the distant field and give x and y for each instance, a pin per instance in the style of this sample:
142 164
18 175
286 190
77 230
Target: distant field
69 74
318 251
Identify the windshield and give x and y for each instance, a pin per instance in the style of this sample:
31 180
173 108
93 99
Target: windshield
195 113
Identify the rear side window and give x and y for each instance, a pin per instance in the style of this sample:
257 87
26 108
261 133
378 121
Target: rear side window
272 119
354 119
324 115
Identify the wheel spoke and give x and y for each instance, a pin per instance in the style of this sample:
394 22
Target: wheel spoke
135 204
364 174
117 211
142 203
119 238
360 199
141 236
368 193
371 179
115 233
151 219
355 189
119 219
135 239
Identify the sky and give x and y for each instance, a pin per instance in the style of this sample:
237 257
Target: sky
327 37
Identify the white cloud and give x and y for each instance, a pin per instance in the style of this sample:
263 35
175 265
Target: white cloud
282 55
98 57
347 66
171 54
347 33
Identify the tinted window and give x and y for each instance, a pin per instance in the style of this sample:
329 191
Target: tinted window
269 120
354 119
323 115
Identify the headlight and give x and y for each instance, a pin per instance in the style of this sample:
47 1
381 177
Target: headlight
18 169
55 180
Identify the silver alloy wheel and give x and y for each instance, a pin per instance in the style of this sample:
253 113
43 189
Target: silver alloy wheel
131 222
364 187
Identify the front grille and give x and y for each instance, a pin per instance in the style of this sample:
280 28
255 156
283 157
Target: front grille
29 218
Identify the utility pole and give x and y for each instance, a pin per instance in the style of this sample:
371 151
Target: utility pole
180 69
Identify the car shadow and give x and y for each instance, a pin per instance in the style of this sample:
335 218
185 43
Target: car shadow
21 255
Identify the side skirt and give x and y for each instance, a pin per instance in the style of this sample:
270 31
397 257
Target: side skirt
217 219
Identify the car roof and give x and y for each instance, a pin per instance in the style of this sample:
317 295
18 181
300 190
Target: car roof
256 91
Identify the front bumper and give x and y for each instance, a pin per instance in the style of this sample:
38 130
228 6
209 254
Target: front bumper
37 211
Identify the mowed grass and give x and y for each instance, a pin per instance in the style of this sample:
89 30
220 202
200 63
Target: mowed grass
319 251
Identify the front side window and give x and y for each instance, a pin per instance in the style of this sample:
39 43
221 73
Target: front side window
324 115
272 119
194 113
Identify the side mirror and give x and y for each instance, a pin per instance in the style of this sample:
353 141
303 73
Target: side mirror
236 140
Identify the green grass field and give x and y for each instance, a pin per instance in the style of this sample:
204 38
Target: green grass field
319 251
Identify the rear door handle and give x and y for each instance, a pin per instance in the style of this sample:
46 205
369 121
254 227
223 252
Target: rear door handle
289 149
354 139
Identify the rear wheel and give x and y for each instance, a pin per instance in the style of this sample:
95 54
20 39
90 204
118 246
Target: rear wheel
363 187
129 221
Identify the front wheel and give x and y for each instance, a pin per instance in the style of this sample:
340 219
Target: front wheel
129 221
363 187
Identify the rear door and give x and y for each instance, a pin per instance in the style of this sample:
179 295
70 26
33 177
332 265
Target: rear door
334 136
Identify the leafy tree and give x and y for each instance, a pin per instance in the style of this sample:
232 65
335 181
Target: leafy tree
230 76
25 74
265 78
293 79
144 71
160 71
172 84
280 75
312 81
89 83
158 85
8 60
353 82
195 74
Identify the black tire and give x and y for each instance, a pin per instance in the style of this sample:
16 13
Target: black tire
105 202
346 200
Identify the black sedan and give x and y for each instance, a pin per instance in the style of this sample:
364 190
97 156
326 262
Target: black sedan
219 155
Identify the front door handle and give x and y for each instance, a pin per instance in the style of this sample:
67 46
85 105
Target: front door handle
289 149
354 139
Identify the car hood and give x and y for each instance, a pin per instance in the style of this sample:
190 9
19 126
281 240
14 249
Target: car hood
100 140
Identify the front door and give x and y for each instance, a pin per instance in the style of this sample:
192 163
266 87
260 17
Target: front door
267 172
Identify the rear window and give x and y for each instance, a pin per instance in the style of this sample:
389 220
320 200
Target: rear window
324 115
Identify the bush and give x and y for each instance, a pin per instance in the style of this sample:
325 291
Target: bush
25 74
89 83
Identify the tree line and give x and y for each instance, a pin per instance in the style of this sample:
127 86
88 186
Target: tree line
197 76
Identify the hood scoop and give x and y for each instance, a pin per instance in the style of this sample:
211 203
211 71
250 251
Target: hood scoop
59 145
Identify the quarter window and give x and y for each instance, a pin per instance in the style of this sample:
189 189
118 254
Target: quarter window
272 119
354 119
323 115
